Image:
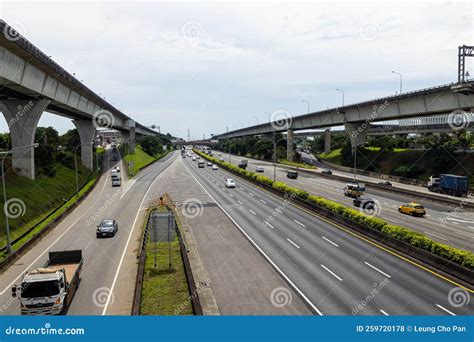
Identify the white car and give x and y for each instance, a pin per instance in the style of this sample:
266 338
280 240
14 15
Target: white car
116 181
229 183
209 164
116 169
259 169
221 159
215 167
114 174
198 157
194 158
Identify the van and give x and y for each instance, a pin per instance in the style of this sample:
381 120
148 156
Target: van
201 164
292 174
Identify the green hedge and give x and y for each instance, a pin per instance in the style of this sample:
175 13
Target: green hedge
464 258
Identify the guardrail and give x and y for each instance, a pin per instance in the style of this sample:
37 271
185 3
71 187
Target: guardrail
430 260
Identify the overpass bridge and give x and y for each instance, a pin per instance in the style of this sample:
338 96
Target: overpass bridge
453 99
32 83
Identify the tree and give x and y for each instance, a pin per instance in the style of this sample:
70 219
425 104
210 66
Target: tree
151 145
70 139
47 136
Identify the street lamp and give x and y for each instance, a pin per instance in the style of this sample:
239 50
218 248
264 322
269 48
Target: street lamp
342 91
401 79
9 247
307 104
355 157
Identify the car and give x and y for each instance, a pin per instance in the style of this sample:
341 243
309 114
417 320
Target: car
385 183
197 157
221 159
107 227
412 209
215 167
116 181
114 174
292 174
209 164
183 155
326 172
259 169
364 202
194 158
220 154
116 169
229 183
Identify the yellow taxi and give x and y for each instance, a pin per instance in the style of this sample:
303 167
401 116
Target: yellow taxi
413 209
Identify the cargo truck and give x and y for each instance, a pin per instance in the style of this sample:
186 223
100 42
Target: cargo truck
243 164
49 290
449 184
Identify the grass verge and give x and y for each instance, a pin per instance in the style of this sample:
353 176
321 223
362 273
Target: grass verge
140 159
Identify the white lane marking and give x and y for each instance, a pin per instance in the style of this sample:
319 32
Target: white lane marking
334 274
231 195
128 240
268 224
306 299
449 312
393 220
263 201
253 212
54 242
241 188
427 215
240 202
386 314
467 235
300 223
375 268
294 244
458 220
335 244
251 194
439 237
471 227
456 223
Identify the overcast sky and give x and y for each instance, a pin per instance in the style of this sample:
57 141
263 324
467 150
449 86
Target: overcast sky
206 66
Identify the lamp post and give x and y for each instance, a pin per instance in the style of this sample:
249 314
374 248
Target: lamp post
307 102
355 158
342 91
7 223
401 79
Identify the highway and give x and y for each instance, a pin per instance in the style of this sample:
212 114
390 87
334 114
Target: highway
102 257
442 223
335 271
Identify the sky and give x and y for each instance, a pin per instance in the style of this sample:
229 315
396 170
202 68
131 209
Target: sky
209 67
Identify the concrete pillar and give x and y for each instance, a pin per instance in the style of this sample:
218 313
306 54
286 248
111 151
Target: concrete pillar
289 145
130 136
357 132
22 118
87 132
327 141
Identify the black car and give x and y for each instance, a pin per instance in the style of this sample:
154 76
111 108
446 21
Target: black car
107 228
385 183
364 202
292 174
326 172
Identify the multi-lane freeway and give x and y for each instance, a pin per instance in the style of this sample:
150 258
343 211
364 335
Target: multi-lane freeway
102 257
334 270
442 223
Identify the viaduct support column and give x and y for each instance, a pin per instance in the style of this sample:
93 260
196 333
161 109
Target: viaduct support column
130 136
327 141
87 132
22 118
357 132
289 145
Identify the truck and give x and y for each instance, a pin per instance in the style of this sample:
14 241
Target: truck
49 290
243 164
201 164
354 189
453 185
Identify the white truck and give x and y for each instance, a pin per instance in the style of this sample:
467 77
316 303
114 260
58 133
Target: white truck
50 289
